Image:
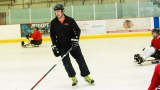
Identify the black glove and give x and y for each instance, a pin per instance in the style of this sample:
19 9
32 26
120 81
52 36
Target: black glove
75 43
28 36
143 49
55 50
22 43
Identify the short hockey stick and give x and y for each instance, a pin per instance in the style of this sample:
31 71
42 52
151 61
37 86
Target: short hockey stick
51 69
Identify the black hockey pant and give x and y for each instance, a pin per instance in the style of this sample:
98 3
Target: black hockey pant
38 42
157 54
77 54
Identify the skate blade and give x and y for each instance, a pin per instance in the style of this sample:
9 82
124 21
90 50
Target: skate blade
135 62
92 83
74 87
139 64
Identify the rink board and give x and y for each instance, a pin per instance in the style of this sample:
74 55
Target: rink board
112 28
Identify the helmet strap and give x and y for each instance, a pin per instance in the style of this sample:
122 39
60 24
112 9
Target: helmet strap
62 14
154 37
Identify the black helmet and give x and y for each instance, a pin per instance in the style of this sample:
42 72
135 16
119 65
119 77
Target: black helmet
36 28
59 7
156 30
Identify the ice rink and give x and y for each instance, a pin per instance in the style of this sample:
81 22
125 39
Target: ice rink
110 61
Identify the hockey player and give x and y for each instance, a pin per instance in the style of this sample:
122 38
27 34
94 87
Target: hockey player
150 51
65 34
37 38
155 82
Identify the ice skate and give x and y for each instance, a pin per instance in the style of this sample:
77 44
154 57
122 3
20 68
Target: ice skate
75 81
136 57
140 60
89 80
25 44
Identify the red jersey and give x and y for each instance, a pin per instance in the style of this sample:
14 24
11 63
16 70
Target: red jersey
155 82
36 35
156 43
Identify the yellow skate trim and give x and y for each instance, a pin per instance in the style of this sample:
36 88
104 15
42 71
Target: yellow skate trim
88 79
74 79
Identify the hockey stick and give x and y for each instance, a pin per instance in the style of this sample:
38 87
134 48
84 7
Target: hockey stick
51 69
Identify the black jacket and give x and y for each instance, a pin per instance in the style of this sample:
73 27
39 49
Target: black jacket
61 34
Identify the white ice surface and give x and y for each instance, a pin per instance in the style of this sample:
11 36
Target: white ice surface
110 62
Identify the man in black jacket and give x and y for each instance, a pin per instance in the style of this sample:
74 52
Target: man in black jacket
65 34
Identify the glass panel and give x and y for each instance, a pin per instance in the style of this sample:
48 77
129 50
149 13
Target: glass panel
149 10
127 10
107 11
19 16
53 14
68 11
83 12
40 15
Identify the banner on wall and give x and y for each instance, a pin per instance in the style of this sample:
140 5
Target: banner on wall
133 25
29 29
96 27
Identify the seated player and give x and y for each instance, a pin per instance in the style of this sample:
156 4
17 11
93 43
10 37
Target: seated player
150 51
37 38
